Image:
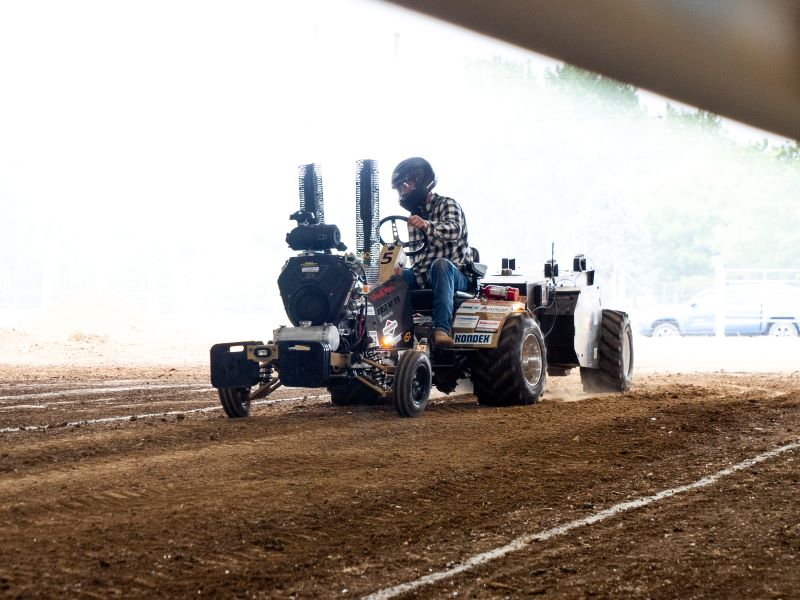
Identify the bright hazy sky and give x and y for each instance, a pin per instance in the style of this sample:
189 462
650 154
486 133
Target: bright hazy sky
162 105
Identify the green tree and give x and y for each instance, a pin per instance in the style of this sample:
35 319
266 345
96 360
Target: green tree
698 120
582 82
789 152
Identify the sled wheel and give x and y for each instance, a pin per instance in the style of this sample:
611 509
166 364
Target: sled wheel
615 350
350 393
515 371
235 402
412 383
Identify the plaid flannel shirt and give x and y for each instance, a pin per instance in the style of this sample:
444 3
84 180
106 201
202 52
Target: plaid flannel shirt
447 237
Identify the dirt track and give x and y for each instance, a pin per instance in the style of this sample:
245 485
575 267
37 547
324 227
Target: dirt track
307 500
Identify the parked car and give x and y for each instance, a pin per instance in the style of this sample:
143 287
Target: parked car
748 309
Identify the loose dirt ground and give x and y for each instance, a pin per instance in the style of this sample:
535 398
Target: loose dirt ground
127 481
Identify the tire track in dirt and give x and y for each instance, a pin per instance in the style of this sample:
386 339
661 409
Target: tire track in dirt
140 416
9 387
99 390
110 401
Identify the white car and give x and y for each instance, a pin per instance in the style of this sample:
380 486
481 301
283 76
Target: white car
747 309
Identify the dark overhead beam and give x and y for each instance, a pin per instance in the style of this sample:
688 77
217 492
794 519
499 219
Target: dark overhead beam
739 59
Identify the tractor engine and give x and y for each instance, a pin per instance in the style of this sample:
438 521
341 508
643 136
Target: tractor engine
316 288
323 298
324 290
324 294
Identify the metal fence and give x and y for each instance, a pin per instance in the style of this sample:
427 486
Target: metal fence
20 288
788 276
674 292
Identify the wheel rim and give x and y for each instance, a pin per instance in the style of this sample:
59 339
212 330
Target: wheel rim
419 385
532 362
665 331
784 330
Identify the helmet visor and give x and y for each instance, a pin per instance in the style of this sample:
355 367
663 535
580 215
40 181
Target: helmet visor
406 187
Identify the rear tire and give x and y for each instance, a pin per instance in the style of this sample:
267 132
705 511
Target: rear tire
782 329
515 371
615 349
412 383
235 402
665 329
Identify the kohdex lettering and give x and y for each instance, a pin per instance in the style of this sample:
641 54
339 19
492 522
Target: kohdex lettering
473 338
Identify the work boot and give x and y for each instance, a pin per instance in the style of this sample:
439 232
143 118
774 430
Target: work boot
442 339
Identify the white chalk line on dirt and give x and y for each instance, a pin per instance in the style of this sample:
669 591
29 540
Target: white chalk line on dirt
49 384
108 400
524 540
104 390
170 413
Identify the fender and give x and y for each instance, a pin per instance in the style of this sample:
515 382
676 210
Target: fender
478 322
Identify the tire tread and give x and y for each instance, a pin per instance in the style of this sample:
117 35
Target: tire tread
613 375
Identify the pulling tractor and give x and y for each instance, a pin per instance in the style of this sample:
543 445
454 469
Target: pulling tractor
357 330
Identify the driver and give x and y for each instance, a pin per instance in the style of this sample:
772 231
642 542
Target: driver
442 263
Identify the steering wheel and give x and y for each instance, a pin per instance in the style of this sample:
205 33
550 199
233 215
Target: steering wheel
410 248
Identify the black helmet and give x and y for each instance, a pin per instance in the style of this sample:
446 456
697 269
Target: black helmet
413 179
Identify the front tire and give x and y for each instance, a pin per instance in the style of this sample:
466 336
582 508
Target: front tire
412 383
235 402
515 371
615 350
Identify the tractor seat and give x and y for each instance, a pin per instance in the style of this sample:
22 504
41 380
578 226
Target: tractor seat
422 300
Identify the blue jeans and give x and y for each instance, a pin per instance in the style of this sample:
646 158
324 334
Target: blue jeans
445 279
